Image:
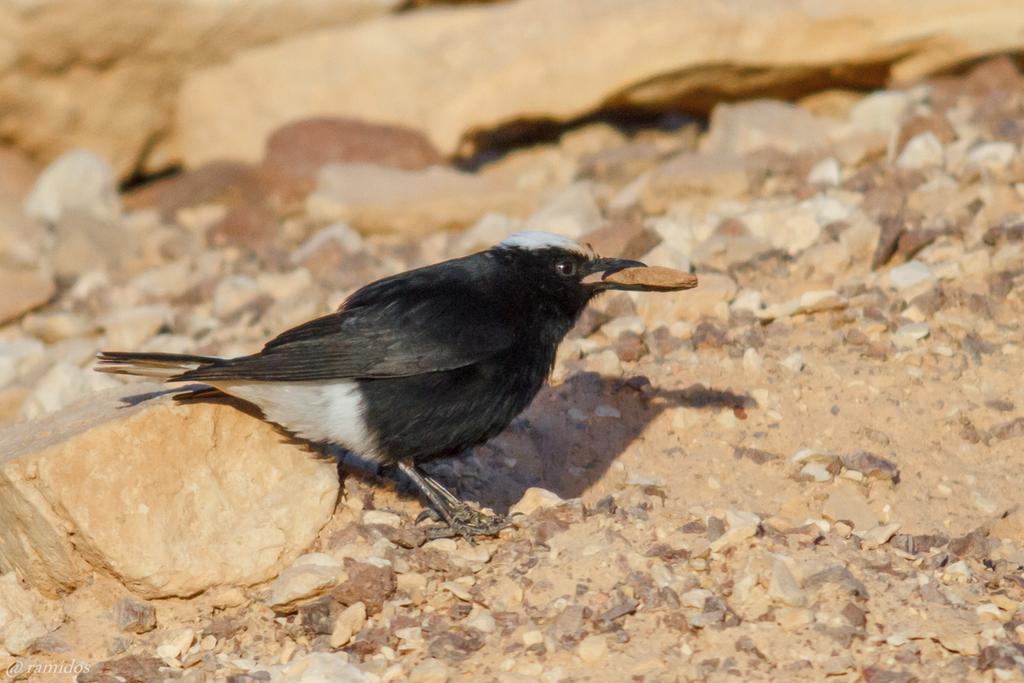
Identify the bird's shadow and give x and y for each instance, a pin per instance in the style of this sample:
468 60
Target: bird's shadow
564 442
570 436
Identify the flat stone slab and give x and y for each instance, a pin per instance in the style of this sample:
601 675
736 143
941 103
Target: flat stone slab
170 498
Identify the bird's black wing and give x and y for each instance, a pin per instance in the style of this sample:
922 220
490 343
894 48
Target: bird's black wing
407 325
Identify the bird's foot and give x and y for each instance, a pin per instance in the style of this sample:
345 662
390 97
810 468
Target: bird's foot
468 523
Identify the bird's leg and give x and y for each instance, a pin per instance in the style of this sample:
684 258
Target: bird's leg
461 519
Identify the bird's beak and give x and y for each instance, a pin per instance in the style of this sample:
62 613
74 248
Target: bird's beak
612 273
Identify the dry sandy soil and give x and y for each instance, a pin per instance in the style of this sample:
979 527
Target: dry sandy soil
808 467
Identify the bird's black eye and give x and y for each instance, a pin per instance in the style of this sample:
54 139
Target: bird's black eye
566 268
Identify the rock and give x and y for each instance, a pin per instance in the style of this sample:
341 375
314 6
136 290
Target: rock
572 212
24 616
755 125
879 112
128 328
959 641
536 499
308 576
482 621
846 503
169 516
878 536
374 199
233 293
62 385
348 623
429 671
175 643
77 181
793 362
690 174
710 298
134 616
870 465
922 151
909 333
20 358
341 234
815 471
593 648
85 243
370 584
786 227
317 667
17 175
742 525
821 300
809 302
992 155
23 291
909 274
296 151
627 323
128 65
221 116
55 326
826 173
783 586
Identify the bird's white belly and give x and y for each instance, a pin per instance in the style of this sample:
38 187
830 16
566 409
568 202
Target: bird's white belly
330 411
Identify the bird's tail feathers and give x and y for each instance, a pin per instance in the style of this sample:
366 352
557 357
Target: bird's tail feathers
158 365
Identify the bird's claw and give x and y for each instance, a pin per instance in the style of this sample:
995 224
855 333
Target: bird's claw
428 513
469 523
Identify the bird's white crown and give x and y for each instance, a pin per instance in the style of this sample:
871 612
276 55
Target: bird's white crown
540 240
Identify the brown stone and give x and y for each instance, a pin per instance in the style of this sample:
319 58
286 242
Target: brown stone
168 469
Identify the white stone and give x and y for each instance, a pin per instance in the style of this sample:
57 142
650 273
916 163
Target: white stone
794 362
535 498
593 648
921 151
911 332
627 323
308 576
994 155
815 471
821 300
752 360
24 615
747 300
571 213
317 667
879 112
909 274
348 623
825 172
234 292
77 181
62 385
128 328
175 643
482 621
783 586
341 234
381 517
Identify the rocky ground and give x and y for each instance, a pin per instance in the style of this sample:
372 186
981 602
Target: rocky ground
808 467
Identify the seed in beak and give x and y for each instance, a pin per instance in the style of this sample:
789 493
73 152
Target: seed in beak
654 278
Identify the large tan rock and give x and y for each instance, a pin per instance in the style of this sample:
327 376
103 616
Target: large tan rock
102 75
452 72
171 499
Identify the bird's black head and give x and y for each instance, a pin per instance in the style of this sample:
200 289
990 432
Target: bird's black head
556 278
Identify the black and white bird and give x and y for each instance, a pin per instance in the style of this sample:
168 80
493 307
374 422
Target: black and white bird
422 364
